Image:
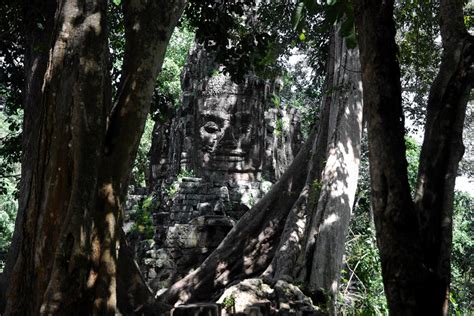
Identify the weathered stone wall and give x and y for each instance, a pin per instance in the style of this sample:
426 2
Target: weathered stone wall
219 154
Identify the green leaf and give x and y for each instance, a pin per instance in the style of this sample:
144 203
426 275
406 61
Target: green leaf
298 15
331 2
117 2
302 37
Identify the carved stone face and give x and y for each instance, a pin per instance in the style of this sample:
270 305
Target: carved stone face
227 128
213 125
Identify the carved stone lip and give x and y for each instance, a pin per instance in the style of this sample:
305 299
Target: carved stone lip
231 153
228 158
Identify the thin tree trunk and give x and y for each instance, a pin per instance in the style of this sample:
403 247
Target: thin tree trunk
145 50
396 225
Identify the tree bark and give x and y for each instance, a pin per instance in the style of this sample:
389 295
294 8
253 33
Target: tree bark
65 253
330 220
51 242
414 240
287 262
36 61
310 251
443 147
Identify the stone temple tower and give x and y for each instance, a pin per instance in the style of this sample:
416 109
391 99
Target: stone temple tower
223 149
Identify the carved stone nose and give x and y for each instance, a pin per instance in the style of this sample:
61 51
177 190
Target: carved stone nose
229 141
228 144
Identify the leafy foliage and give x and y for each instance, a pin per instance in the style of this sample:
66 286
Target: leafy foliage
302 91
8 210
9 179
361 291
334 11
462 285
250 36
173 188
142 217
168 89
412 153
230 29
419 54
361 287
140 169
11 83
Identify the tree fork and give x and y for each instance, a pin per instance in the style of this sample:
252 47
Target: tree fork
414 240
443 147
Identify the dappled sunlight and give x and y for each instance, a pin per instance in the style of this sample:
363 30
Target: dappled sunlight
263 235
222 273
111 223
331 219
420 188
93 22
226 186
223 278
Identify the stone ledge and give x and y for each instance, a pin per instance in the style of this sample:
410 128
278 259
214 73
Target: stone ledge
200 309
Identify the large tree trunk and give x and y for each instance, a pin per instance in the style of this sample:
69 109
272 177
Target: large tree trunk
64 255
312 245
270 239
54 202
36 61
330 220
414 242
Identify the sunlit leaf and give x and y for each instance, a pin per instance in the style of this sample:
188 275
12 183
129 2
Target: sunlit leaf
298 15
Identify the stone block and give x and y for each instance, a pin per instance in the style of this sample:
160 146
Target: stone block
204 208
201 309
191 179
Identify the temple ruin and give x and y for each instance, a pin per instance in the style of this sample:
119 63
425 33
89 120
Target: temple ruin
212 161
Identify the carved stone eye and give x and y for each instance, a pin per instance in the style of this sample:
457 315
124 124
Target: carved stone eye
244 129
211 128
